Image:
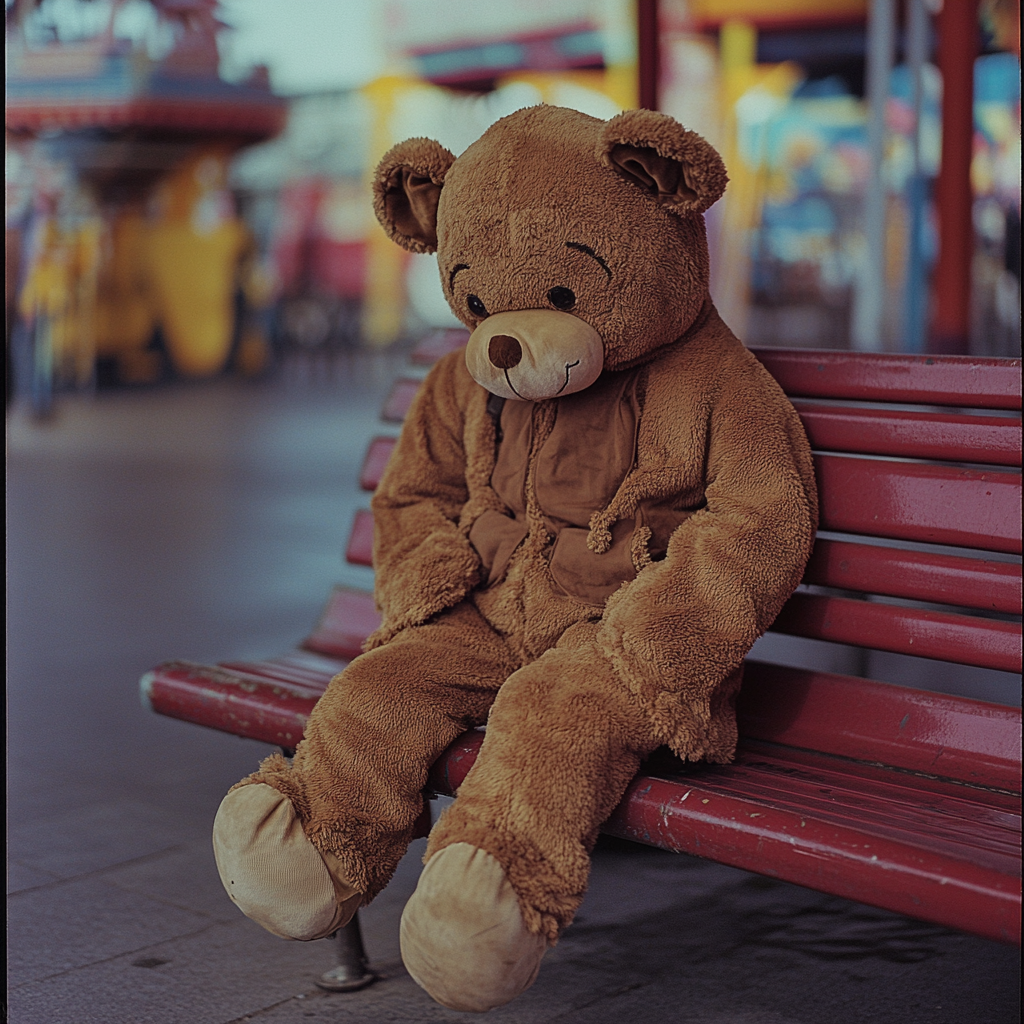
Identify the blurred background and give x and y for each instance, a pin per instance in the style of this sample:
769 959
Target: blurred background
187 180
203 321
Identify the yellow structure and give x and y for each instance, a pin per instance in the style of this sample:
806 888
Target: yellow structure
385 297
178 266
718 11
126 313
194 245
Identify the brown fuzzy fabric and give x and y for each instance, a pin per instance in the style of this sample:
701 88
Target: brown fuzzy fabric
357 778
535 182
701 170
682 478
406 188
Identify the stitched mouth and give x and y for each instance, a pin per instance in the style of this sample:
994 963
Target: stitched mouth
511 385
568 367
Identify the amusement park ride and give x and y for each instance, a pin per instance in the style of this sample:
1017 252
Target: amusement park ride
139 238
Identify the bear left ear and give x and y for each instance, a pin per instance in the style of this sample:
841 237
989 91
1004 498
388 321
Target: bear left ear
677 167
406 189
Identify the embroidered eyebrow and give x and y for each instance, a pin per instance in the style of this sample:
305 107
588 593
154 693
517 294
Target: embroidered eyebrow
590 252
455 270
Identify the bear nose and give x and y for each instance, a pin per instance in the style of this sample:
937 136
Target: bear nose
504 352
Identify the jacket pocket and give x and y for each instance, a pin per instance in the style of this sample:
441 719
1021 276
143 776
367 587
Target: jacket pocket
587 576
663 520
494 537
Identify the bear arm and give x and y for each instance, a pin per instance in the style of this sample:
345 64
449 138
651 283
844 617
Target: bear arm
684 625
423 562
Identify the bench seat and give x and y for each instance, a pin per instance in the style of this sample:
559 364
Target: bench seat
900 798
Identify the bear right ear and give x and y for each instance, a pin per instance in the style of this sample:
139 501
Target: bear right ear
676 167
406 188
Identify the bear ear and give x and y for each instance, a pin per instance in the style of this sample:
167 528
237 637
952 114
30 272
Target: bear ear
678 168
406 188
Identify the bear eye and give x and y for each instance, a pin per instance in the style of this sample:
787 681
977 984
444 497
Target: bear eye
562 298
476 307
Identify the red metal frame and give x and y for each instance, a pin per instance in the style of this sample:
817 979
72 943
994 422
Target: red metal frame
958 48
398 402
916 575
965 381
921 502
375 462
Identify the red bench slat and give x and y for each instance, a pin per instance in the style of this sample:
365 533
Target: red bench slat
921 435
916 730
258 709
944 636
376 461
399 400
994 441
850 859
360 540
916 575
962 381
920 502
349 618
986 830
288 671
708 812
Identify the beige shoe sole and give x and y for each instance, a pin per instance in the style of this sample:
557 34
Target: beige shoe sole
462 935
272 872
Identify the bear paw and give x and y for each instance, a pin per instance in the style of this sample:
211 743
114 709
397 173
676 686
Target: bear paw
463 937
272 871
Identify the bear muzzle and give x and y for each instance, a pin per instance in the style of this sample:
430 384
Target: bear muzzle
534 354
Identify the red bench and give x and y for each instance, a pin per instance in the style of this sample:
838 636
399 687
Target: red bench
897 797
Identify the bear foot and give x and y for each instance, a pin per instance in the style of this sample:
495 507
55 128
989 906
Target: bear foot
271 870
463 938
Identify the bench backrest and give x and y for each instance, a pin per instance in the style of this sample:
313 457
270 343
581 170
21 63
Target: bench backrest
910 456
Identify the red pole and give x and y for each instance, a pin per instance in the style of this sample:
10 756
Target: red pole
647 52
958 48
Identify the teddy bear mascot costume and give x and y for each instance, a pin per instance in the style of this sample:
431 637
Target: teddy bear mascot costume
591 515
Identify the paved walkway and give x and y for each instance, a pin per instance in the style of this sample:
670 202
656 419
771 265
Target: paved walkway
207 521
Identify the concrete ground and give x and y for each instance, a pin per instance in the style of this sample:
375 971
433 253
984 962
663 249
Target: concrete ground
208 521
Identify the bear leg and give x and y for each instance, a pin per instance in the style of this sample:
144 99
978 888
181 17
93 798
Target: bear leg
563 741
328 829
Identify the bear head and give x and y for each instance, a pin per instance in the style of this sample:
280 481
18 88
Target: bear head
566 244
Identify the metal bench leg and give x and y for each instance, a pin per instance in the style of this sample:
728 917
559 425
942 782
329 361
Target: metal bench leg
352 971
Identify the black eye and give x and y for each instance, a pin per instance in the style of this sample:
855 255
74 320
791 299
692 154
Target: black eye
476 307
562 298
